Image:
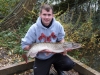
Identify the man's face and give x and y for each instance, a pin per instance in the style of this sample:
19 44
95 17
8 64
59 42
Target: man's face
46 16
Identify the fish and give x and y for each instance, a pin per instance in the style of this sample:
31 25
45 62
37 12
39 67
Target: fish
52 47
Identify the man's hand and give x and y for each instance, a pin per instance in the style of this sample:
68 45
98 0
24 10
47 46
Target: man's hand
65 52
46 50
27 47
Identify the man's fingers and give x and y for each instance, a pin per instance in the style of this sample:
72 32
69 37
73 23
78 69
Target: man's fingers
68 49
64 53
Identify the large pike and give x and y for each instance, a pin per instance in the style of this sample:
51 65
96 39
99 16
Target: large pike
52 47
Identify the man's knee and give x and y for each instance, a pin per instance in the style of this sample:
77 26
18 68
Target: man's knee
68 66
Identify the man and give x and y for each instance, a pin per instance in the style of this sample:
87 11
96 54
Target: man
47 29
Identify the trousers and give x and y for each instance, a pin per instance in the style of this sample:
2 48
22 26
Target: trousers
61 62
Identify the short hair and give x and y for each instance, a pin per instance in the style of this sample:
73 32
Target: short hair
46 7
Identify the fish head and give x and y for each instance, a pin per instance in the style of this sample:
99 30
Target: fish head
71 45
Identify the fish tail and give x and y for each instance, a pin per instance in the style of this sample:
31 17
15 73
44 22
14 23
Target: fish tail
25 58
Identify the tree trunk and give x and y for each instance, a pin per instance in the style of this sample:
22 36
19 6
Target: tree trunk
13 19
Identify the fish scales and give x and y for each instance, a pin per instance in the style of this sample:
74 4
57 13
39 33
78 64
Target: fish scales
53 47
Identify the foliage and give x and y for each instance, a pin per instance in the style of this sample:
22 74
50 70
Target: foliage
10 39
6 6
86 32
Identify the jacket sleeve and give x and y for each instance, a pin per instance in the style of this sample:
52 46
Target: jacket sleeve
61 33
29 38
